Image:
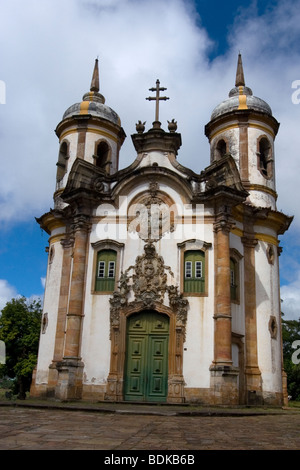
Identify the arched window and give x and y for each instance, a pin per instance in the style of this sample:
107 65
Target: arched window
265 157
62 161
102 155
106 271
194 271
221 149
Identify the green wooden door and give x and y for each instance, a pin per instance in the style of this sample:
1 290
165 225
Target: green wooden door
146 368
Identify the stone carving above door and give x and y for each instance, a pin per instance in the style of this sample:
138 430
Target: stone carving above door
145 286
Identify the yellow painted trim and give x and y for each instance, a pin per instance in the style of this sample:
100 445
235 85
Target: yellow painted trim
84 107
259 236
263 237
242 99
56 238
236 126
90 129
225 128
105 134
51 223
262 128
237 231
264 189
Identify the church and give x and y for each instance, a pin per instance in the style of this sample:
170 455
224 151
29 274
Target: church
162 283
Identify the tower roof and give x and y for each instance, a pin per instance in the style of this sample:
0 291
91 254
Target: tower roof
241 97
93 102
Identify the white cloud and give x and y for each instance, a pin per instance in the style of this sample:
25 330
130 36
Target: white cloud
43 282
7 292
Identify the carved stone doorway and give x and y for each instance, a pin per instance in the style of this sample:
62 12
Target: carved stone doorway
149 286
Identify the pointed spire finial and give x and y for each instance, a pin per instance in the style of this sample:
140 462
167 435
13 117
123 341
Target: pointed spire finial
240 80
95 80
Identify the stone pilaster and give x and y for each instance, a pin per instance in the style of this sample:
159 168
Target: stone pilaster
70 368
67 245
252 373
223 374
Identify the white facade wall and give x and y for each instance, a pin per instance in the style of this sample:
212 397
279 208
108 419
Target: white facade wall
268 304
51 299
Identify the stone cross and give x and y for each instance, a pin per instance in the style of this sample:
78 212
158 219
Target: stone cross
157 98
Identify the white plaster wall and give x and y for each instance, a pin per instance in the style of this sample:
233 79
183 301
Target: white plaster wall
268 303
51 299
96 344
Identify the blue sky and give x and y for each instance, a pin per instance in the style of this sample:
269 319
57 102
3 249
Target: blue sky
46 61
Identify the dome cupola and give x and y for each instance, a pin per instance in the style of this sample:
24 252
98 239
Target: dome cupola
241 97
244 127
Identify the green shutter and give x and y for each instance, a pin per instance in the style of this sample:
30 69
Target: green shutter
106 271
194 272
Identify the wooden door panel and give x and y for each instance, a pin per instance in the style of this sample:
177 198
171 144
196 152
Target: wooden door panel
146 370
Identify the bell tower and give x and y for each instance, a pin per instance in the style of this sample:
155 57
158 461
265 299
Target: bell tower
89 130
243 126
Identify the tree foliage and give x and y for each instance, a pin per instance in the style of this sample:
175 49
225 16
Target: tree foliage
290 334
20 324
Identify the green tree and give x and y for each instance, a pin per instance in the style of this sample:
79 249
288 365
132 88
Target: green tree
290 334
20 324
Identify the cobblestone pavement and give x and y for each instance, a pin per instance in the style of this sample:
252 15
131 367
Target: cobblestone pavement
54 429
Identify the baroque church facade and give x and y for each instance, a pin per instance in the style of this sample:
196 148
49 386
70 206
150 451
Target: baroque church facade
162 283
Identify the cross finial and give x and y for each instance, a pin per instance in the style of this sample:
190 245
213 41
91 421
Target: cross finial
157 98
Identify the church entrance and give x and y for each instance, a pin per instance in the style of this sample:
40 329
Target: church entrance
146 365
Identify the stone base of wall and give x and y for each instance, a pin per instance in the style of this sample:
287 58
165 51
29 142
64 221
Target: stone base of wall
224 385
92 392
65 384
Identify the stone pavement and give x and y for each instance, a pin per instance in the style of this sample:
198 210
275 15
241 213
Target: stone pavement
128 427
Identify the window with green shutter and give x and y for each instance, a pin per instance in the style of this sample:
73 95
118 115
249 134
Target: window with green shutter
106 271
194 272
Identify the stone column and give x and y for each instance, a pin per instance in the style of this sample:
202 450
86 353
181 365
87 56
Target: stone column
223 374
222 296
252 372
67 244
70 369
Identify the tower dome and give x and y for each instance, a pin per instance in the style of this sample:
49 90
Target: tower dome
89 130
244 127
241 97
93 103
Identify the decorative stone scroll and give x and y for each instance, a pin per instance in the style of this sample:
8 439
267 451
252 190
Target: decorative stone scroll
149 286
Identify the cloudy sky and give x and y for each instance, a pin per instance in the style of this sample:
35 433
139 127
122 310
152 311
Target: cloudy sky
48 48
